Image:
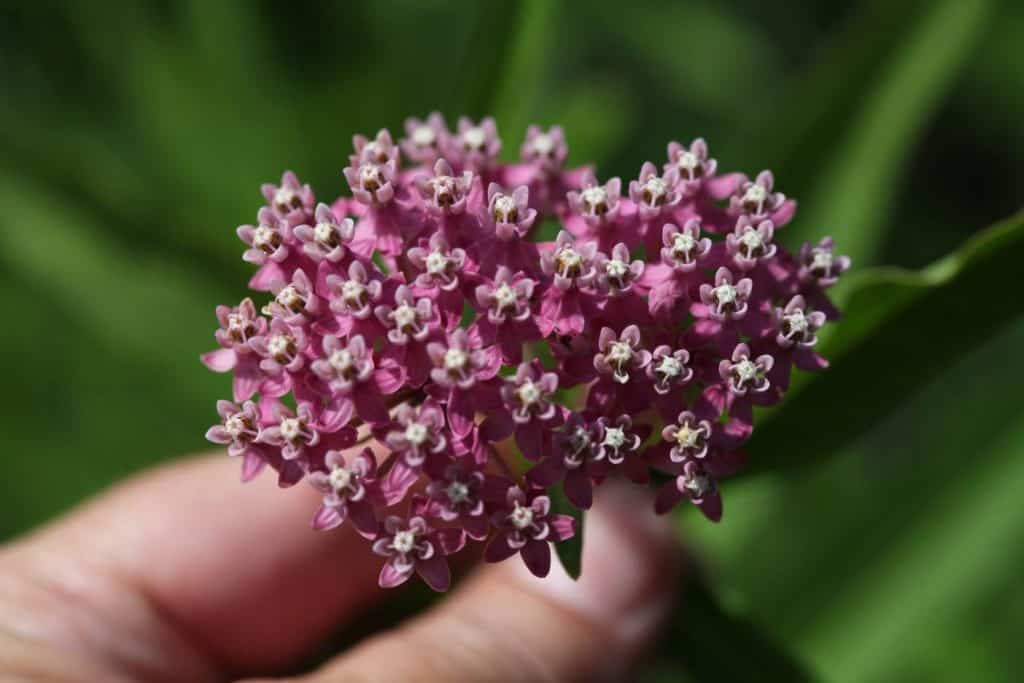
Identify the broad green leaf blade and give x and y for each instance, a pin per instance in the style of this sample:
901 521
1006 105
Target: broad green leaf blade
570 551
710 643
899 327
858 187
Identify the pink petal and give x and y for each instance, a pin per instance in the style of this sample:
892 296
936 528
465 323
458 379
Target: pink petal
435 573
221 360
537 557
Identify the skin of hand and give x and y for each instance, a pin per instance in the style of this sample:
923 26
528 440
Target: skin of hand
182 574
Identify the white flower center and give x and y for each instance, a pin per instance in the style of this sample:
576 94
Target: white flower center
341 360
236 323
615 268
745 370
670 366
755 194
797 321
529 393
405 315
369 176
284 197
352 290
683 243
475 137
686 436
291 428
504 208
457 492
339 478
655 187
521 517
278 344
593 196
688 161
416 433
543 144
289 296
614 437
751 239
404 541
455 359
569 259
235 425
725 293
323 232
822 261
262 236
505 296
699 484
424 136
436 262
620 352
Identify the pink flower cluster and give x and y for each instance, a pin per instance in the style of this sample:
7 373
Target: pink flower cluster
424 313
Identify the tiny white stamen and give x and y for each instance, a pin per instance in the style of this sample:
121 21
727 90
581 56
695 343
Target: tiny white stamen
505 296
475 137
284 197
289 296
323 232
278 344
594 196
683 243
529 393
339 478
352 290
745 370
687 437
724 293
504 208
543 144
688 161
699 484
822 261
797 321
615 268
569 259
341 360
457 492
521 517
656 188
751 239
614 437
235 425
262 236
416 433
670 366
424 136
755 194
620 352
290 428
455 359
436 262
405 315
404 541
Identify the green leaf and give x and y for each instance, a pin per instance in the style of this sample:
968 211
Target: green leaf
899 327
856 190
569 551
710 643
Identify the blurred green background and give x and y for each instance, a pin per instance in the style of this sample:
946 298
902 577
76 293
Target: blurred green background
882 535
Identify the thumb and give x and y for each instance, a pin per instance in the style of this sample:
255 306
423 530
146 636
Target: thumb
505 625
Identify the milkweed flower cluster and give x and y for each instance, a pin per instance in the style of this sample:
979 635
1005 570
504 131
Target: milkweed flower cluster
426 313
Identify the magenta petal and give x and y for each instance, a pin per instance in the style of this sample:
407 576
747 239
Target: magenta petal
435 573
252 465
537 557
668 497
246 382
290 474
578 488
451 540
530 439
498 550
398 481
389 378
726 464
711 506
337 414
497 427
460 413
221 360
370 406
547 473
563 527
476 527
267 274
363 519
327 518
391 577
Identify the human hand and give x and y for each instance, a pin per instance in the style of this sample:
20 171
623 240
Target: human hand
178 576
